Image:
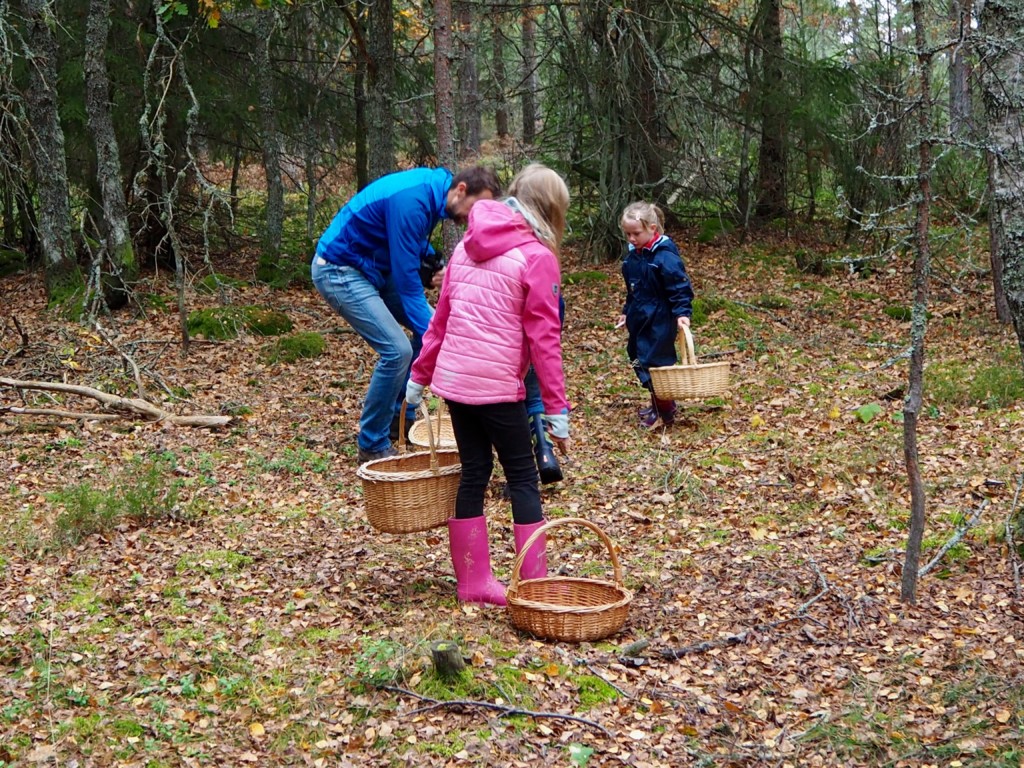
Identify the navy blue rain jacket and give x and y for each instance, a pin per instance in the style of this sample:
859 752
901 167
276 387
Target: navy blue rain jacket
658 290
385 230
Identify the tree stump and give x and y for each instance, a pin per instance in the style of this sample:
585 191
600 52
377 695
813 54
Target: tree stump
447 658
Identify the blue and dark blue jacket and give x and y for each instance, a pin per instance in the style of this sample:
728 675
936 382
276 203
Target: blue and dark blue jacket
385 230
658 291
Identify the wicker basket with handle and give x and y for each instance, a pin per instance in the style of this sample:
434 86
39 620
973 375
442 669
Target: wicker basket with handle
411 492
689 380
565 608
443 434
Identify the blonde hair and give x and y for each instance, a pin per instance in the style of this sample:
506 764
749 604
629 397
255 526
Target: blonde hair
542 197
647 214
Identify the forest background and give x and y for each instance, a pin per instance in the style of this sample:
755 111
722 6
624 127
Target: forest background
826 560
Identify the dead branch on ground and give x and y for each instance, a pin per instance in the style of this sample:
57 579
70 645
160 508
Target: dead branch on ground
503 710
114 402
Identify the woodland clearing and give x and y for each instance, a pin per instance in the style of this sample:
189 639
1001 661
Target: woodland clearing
260 620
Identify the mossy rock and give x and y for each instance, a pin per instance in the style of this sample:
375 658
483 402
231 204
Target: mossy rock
592 276
712 229
215 282
11 261
897 312
227 322
295 347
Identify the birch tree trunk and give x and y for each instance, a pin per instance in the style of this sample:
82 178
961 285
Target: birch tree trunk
919 313
1002 63
124 268
63 278
270 268
380 87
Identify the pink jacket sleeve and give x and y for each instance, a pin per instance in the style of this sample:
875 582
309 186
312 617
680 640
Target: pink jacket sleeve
423 367
544 329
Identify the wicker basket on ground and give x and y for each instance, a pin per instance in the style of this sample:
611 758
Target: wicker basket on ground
689 380
443 434
566 608
411 492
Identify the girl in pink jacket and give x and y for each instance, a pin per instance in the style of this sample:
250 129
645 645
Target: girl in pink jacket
497 313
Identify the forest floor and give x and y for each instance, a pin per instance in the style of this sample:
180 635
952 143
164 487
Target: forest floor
239 609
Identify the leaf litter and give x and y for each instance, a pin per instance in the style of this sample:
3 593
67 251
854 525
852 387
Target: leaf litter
267 623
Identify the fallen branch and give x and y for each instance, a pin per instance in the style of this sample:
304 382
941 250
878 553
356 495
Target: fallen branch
955 539
114 402
502 709
60 414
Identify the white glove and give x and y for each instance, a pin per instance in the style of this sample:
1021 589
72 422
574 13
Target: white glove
414 393
559 423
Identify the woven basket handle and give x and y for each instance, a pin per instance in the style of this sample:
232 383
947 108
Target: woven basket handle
513 584
430 434
684 342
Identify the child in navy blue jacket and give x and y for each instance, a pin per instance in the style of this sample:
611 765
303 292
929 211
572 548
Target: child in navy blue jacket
659 301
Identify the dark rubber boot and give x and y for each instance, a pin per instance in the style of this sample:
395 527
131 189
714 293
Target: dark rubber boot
544 452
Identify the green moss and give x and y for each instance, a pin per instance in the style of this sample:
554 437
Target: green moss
11 261
712 229
594 691
215 282
227 322
295 347
896 312
585 277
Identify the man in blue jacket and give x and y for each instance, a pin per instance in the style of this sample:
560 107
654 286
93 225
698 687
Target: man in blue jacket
368 268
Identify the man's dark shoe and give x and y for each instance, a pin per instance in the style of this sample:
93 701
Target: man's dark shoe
365 456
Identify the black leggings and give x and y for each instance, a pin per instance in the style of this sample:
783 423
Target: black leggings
506 428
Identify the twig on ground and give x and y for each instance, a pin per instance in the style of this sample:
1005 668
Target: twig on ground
140 389
502 709
955 539
1011 541
24 341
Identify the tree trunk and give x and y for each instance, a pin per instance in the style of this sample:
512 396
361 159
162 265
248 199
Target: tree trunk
960 108
501 117
528 100
771 162
270 267
63 277
362 157
380 87
469 85
124 268
444 102
996 248
919 314
1002 64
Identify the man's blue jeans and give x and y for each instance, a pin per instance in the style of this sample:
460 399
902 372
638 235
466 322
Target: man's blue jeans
379 318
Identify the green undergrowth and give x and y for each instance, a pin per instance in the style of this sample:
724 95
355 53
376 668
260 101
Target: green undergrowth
141 492
222 323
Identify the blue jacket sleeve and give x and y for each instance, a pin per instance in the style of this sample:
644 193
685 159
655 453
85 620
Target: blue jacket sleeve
409 224
678 289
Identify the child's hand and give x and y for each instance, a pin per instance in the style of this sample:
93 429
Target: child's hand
562 443
621 321
682 322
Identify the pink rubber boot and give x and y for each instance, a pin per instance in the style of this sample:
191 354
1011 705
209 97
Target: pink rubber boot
535 564
471 558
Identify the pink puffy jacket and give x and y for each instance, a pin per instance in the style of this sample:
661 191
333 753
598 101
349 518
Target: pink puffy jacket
497 312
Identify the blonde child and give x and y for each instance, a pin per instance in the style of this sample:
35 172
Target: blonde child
658 304
497 314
